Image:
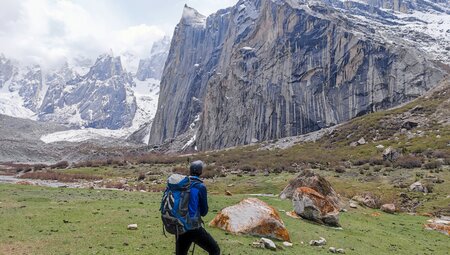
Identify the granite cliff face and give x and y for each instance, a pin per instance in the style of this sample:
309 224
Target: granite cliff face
268 69
152 67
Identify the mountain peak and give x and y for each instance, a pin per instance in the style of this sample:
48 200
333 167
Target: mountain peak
106 66
192 17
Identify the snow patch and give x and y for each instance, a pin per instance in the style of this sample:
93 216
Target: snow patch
192 17
81 135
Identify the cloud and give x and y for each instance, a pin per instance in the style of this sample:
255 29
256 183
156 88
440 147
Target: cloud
49 32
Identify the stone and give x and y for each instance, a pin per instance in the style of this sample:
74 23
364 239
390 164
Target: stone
228 193
311 180
390 154
132 227
361 141
380 146
312 205
418 187
388 208
410 125
368 199
268 244
322 241
287 244
353 205
340 251
258 245
252 217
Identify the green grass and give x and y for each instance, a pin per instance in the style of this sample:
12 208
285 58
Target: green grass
37 220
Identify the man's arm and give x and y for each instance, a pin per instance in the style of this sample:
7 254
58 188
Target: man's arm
203 200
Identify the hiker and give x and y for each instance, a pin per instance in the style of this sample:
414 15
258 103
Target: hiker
174 211
198 207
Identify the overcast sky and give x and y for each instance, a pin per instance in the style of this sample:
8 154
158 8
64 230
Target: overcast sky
47 31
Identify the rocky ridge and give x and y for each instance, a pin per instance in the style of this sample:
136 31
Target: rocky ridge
264 70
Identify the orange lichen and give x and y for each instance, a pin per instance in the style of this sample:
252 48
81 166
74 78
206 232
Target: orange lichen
322 202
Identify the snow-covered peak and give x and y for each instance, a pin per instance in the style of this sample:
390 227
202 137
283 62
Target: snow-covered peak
192 17
105 67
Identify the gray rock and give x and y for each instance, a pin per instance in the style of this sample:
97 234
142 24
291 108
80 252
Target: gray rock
322 241
132 227
390 154
153 66
269 244
311 205
312 180
388 208
294 80
418 187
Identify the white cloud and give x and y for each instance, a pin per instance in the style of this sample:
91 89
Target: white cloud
48 32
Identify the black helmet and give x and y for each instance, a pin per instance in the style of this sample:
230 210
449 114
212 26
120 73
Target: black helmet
196 168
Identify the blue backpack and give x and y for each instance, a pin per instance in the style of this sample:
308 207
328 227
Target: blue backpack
175 205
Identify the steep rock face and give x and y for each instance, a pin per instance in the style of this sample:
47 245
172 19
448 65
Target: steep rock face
6 70
194 53
270 69
153 66
101 99
30 87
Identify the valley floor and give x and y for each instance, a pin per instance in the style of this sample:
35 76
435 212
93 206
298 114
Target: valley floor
38 220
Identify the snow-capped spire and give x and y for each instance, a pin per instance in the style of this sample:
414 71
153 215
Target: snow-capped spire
192 17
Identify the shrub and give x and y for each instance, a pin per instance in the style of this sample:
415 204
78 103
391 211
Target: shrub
440 154
180 170
114 185
376 162
360 162
39 167
209 172
339 169
141 177
57 176
141 186
435 164
447 161
60 165
408 162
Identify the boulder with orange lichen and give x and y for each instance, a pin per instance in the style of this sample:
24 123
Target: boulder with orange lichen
311 205
314 181
254 217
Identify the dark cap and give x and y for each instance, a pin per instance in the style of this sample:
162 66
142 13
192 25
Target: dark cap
196 168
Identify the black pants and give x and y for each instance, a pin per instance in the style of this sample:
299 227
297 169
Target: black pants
201 238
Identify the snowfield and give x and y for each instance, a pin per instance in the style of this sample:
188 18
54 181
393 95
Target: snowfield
146 93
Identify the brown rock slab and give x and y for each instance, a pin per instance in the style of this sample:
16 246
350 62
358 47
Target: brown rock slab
254 217
311 205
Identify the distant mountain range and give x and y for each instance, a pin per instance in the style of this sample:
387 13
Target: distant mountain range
103 95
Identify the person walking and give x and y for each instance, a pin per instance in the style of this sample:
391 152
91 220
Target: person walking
198 207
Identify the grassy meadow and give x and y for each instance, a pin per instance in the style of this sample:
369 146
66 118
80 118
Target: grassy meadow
37 220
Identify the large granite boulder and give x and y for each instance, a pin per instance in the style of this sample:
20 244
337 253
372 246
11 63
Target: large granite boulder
311 180
311 205
251 217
